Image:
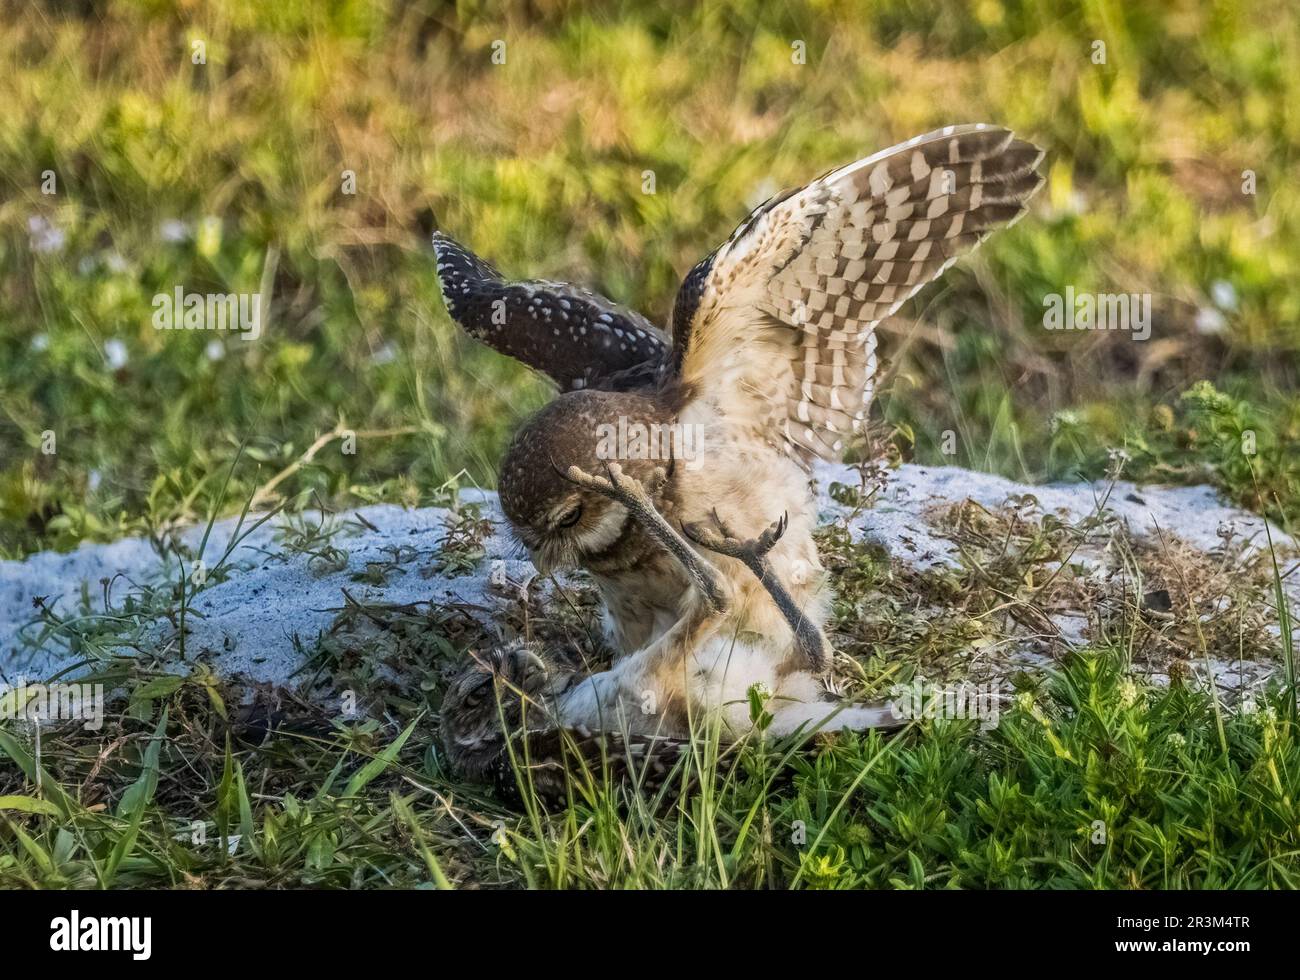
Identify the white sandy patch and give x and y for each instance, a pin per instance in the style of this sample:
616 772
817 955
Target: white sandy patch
246 625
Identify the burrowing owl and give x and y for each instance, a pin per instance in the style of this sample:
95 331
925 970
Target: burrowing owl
771 364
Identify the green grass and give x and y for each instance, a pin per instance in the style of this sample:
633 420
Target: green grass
226 176
1088 779
1087 782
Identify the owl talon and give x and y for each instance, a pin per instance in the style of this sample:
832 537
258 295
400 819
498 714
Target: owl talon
617 485
634 496
613 484
751 551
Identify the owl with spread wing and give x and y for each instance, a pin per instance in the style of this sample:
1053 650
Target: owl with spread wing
674 468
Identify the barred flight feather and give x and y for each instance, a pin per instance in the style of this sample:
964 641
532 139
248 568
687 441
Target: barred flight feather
784 312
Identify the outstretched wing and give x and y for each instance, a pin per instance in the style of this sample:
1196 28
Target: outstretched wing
578 339
776 327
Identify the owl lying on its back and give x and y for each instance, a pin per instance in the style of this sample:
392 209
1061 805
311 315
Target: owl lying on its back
771 364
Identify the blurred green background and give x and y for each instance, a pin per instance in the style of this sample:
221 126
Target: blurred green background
227 176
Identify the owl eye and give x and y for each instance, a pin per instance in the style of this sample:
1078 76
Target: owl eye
570 518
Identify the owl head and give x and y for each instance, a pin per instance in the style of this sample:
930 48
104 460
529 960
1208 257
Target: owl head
562 525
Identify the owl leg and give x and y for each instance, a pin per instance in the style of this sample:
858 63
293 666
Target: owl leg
808 636
647 692
629 492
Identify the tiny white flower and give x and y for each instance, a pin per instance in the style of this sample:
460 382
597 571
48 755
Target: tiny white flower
41 342
115 352
1210 321
215 350
1064 419
93 479
385 355
173 230
1224 294
45 237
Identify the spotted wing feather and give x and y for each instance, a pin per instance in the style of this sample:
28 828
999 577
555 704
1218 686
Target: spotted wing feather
572 335
777 325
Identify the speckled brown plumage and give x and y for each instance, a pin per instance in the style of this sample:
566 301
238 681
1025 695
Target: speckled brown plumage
577 338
